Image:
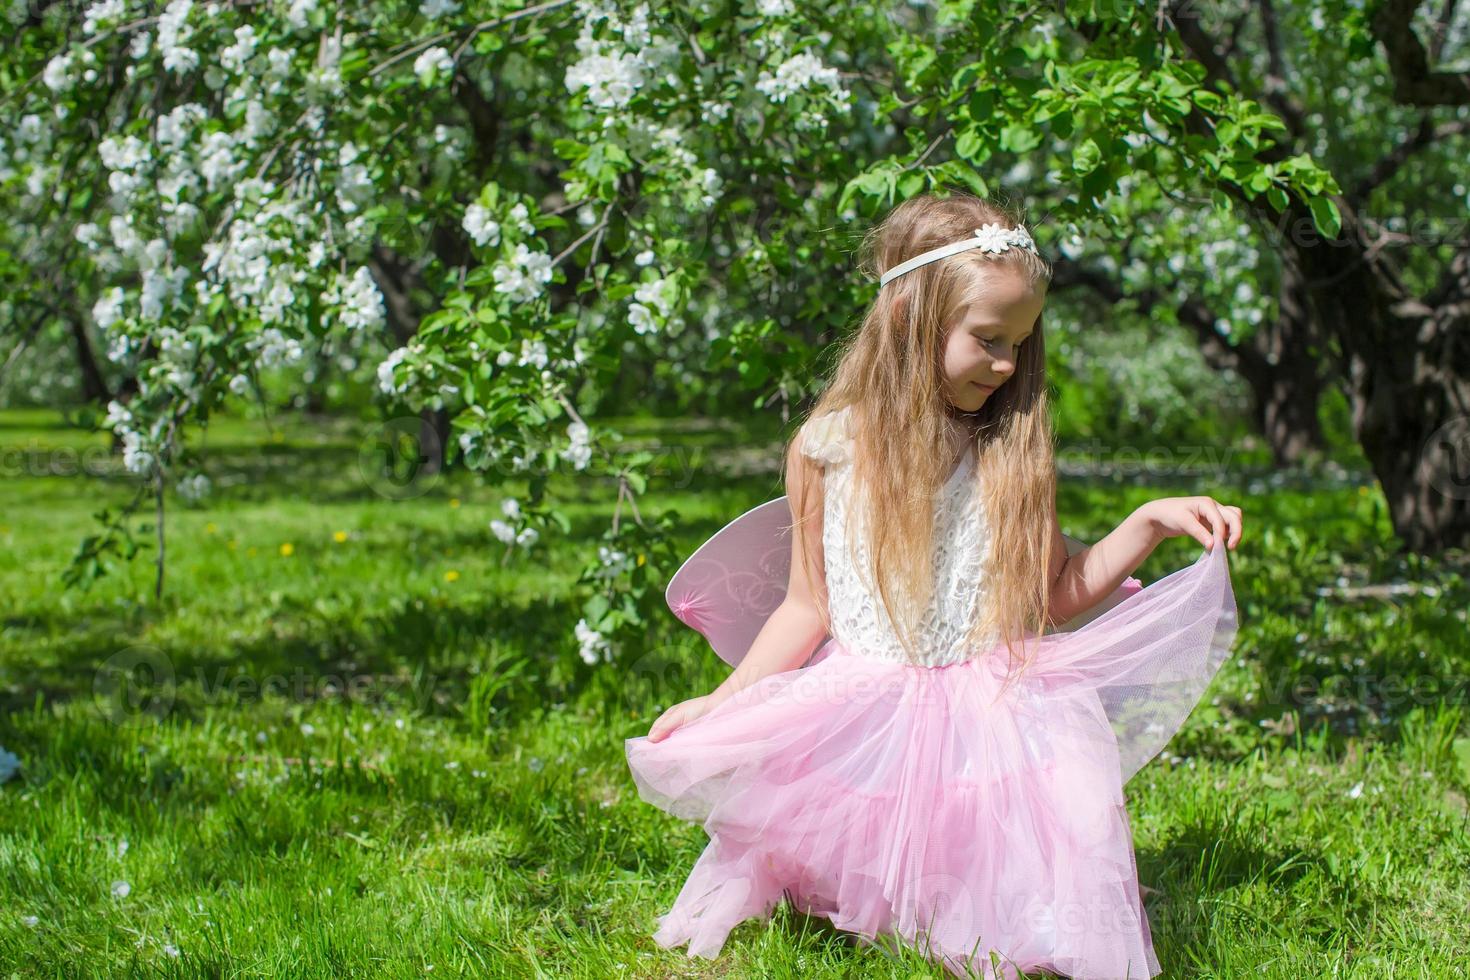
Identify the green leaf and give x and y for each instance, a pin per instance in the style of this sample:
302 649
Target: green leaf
569 149
1086 156
1207 100
498 331
982 104
480 275
1325 215
969 145
1019 137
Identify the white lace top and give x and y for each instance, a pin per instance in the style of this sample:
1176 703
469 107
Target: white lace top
961 543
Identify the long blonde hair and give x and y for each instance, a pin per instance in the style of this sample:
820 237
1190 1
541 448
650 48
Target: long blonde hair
890 375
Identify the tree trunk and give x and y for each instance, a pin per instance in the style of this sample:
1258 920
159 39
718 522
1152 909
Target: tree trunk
1279 363
1403 359
1406 362
433 437
1286 378
94 385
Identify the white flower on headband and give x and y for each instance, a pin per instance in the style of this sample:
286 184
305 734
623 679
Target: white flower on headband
991 237
998 238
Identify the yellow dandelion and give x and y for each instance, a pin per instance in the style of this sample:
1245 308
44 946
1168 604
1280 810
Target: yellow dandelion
454 501
232 544
211 527
287 548
641 558
451 576
339 536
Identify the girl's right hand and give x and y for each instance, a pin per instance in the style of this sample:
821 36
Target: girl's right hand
680 714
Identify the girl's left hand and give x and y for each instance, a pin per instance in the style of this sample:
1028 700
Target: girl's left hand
1204 518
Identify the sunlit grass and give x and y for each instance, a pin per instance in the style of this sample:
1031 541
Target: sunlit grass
379 753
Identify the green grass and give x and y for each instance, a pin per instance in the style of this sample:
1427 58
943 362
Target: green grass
362 767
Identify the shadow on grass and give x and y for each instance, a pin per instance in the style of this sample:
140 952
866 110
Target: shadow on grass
1209 858
414 653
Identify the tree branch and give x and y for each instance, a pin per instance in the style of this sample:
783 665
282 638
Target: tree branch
1425 136
1414 82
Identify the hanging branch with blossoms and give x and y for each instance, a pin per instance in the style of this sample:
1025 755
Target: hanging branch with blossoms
492 210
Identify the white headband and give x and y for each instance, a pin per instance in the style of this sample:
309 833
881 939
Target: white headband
991 237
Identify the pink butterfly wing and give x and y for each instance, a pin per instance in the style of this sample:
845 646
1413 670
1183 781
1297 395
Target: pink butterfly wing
730 585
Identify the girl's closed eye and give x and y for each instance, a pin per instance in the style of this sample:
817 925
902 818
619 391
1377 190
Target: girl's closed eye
990 341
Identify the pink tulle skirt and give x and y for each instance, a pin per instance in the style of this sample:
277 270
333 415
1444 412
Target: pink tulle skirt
983 826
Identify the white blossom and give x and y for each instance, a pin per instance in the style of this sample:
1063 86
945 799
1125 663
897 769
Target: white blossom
173 37
533 354
579 452
233 57
435 60
522 218
108 308
58 76
800 71
523 275
297 13
272 347
651 304
386 380
160 290
362 302
89 234
194 488
611 81
480 226
593 645
104 11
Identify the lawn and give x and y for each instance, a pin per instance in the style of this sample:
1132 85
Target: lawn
370 746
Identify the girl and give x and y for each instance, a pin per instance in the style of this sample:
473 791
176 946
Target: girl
946 769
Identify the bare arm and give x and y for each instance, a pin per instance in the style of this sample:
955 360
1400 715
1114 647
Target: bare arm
1081 581
792 631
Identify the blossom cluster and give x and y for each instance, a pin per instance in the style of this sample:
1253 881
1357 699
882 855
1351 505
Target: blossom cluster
524 536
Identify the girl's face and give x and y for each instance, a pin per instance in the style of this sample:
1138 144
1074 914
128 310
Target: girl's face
981 348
